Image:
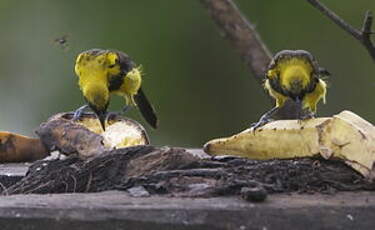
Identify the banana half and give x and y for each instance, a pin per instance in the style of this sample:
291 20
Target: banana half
345 136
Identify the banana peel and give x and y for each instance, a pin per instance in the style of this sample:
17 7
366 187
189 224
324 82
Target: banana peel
84 136
345 136
19 148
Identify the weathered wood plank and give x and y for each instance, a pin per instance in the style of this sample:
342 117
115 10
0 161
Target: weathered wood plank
12 173
116 210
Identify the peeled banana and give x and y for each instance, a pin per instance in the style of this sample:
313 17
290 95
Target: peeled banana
19 148
345 136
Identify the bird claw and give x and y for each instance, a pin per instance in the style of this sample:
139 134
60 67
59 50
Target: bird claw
111 115
266 118
121 113
125 109
260 123
306 116
78 112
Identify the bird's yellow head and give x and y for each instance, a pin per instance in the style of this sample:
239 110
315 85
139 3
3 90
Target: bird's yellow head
97 62
294 72
92 69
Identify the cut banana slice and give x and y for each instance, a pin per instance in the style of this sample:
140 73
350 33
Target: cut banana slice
119 132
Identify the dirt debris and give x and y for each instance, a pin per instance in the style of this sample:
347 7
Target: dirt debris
143 170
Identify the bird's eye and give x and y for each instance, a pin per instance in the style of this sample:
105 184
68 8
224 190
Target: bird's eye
111 66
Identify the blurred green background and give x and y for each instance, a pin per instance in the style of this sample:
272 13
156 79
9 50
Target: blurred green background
195 80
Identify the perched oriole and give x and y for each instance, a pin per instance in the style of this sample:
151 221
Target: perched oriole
296 75
102 73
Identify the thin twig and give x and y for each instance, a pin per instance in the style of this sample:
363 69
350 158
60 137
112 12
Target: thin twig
4 189
88 183
242 35
74 184
363 35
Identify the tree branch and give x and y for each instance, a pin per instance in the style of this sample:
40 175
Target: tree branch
242 35
363 35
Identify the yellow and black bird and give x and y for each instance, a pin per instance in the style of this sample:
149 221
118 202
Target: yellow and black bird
295 75
102 73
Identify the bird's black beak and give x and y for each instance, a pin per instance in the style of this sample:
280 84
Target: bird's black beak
100 113
102 116
298 100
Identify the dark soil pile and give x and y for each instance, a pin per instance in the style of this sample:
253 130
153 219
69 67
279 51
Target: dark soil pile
147 170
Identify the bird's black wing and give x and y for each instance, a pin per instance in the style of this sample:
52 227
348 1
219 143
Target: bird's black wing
147 111
126 65
115 82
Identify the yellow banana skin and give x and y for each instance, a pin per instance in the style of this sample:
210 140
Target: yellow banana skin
345 136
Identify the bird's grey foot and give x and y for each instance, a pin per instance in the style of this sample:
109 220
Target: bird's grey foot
112 115
307 115
78 112
266 118
126 109
260 123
